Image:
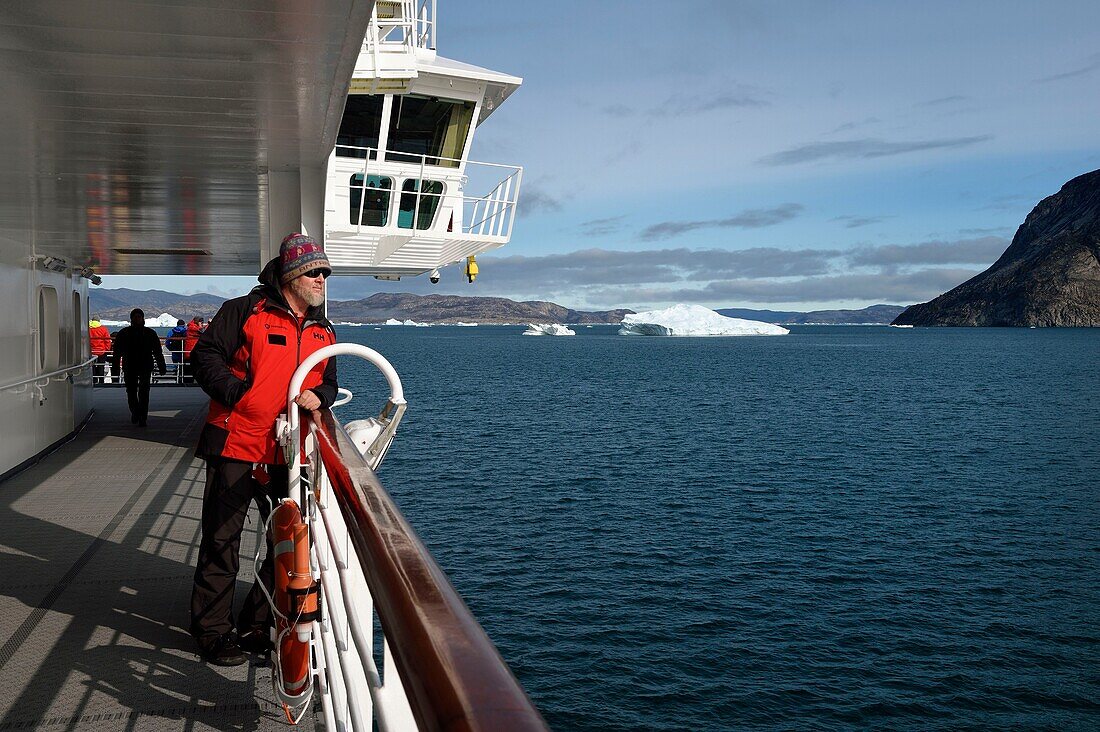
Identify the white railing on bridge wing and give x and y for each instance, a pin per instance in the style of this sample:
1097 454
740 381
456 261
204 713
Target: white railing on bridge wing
401 26
482 197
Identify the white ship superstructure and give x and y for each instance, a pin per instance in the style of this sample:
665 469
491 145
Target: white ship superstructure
403 198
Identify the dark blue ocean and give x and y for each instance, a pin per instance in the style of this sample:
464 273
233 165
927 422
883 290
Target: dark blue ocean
843 528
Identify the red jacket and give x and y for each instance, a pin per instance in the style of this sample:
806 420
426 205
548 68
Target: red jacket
244 360
100 340
194 330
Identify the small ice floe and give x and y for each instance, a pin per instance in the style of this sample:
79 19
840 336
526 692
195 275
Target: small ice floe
548 329
693 320
466 325
901 326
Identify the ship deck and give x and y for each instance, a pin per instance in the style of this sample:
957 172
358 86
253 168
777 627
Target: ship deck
98 544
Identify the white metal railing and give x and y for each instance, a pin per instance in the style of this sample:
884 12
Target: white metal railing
41 381
491 214
353 690
176 372
400 26
374 573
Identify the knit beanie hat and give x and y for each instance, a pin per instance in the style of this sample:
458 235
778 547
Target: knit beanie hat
299 254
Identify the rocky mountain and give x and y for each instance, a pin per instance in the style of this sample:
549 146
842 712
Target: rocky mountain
1049 275
873 315
117 304
454 308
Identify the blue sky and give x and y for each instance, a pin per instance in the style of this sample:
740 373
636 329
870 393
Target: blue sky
789 155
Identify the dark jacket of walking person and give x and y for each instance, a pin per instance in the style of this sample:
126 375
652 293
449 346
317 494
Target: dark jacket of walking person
174 341
245 361
137 348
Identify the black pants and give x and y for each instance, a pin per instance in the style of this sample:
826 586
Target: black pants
137 393
230 488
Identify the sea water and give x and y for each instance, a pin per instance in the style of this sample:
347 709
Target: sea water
845 527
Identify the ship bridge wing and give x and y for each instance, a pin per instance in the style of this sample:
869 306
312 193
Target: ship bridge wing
165 138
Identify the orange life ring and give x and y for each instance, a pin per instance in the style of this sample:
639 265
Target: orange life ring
298 601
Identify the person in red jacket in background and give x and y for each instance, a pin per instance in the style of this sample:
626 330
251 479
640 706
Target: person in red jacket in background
245 361
99 338
191 337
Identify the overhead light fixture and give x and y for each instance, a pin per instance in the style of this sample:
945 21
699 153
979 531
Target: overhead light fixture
52 264
89 274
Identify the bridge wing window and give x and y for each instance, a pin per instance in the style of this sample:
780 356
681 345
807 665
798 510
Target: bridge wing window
376 207
431 193
360 126
428 126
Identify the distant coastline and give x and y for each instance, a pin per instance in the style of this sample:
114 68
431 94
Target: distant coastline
116 304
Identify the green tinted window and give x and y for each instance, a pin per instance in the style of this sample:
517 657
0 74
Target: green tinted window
376 204
429 126
431 193
360 125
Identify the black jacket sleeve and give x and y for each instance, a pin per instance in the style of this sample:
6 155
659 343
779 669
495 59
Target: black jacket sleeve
215 348
326 391
116 351
154 346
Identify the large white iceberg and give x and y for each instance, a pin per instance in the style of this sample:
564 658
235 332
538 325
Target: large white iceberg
393 321
164 320
693 320
548 329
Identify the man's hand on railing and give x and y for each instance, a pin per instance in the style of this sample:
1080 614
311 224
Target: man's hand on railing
308 400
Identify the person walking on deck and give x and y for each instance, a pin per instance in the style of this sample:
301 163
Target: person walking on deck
137 348
244 361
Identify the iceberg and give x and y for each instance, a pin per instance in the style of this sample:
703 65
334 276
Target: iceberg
548 329
466 325
164 320
693 320
416 324
392 321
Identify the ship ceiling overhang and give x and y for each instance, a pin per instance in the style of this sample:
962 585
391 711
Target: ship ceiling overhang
137 137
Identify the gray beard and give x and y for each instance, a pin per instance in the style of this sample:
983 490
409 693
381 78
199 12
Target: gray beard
304 291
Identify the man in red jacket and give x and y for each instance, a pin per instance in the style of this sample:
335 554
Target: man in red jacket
244 360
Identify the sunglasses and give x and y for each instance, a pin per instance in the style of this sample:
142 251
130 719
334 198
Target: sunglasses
315 273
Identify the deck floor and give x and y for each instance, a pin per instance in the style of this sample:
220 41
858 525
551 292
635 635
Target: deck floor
97 553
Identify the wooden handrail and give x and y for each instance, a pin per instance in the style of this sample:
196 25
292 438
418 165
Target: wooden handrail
454 677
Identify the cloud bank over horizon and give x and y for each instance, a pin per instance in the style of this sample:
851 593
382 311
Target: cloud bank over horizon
597 278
